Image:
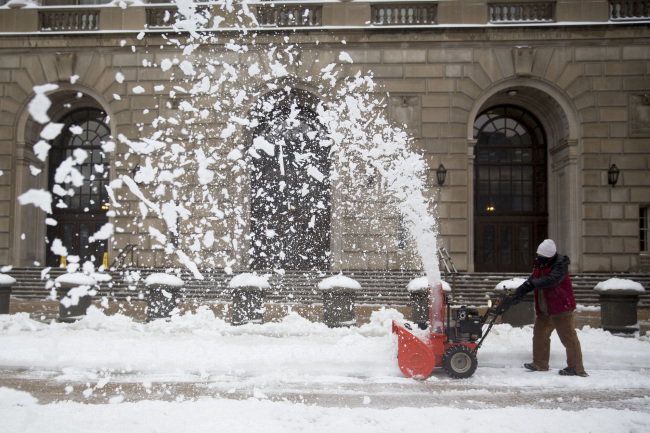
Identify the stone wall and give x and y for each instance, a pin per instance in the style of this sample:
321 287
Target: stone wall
588 85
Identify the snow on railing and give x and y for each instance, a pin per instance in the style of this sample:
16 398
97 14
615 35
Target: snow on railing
538 12
66 20
290 15
629 10
403 14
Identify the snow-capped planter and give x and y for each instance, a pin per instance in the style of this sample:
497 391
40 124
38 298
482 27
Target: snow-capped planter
6 283
163 294
75 292
418 289
338 300
619 299
248 296
522 313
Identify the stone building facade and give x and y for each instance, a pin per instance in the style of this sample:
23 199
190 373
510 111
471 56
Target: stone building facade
526 104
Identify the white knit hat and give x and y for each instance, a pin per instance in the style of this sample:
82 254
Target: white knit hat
547 248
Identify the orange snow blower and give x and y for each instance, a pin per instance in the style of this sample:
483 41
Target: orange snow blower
452 345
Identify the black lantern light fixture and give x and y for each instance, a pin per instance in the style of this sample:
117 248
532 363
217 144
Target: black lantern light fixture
612 175
441 174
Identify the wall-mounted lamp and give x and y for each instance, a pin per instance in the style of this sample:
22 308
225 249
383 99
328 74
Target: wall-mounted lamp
441 174
612 175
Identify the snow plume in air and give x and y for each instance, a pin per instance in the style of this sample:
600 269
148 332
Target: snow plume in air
230 110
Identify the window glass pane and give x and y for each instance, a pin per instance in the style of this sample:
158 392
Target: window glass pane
524 245
488 245
506 245
84 233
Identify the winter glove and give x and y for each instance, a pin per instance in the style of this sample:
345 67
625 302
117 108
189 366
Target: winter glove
506 303
523 289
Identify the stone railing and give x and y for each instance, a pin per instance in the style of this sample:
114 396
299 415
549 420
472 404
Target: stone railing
161 17
68 20
629 10
403 14
536 12
165 16
290 15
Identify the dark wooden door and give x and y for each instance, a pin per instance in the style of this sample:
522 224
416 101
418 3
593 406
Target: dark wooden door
510 190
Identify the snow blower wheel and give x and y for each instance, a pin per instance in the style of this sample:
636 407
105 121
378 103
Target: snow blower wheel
459 361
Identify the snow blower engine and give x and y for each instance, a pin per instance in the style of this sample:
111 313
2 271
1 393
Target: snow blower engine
463 325
451 345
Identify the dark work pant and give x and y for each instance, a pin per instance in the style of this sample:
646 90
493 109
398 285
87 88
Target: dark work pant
564 325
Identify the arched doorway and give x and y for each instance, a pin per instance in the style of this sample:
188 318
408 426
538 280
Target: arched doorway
510 189
78 176
290 189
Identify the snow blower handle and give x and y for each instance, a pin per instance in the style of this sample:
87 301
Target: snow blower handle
496 307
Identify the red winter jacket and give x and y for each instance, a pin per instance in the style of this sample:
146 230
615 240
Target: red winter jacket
553 282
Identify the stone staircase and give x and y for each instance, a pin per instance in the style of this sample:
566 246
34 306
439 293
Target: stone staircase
386 288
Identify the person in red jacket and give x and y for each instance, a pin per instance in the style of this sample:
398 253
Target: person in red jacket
554 307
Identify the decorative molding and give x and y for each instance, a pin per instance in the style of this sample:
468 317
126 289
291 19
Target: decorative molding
523 61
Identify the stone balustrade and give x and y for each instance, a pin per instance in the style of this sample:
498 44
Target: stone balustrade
68 20
290 15
521 12
404 14
620 10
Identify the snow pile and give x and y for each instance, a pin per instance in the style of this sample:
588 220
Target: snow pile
422 284
511 284
163 279
249 280
7 280
339 281
75 279
619 285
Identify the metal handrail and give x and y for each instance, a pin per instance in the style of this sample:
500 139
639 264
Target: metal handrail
119 259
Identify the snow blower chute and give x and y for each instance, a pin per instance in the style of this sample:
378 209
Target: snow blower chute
450 342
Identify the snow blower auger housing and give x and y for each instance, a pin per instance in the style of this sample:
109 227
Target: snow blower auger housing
453 345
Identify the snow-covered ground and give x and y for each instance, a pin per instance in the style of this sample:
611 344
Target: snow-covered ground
198 373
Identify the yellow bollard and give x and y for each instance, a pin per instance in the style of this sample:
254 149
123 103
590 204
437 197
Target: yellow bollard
63 262
105 262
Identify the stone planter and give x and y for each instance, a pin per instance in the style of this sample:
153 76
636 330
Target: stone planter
338 301
163 295
75 292
419 300
522 313
248 296
6 283
618 305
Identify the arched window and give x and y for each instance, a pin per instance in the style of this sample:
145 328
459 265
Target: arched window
510 189
290 190
78 176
